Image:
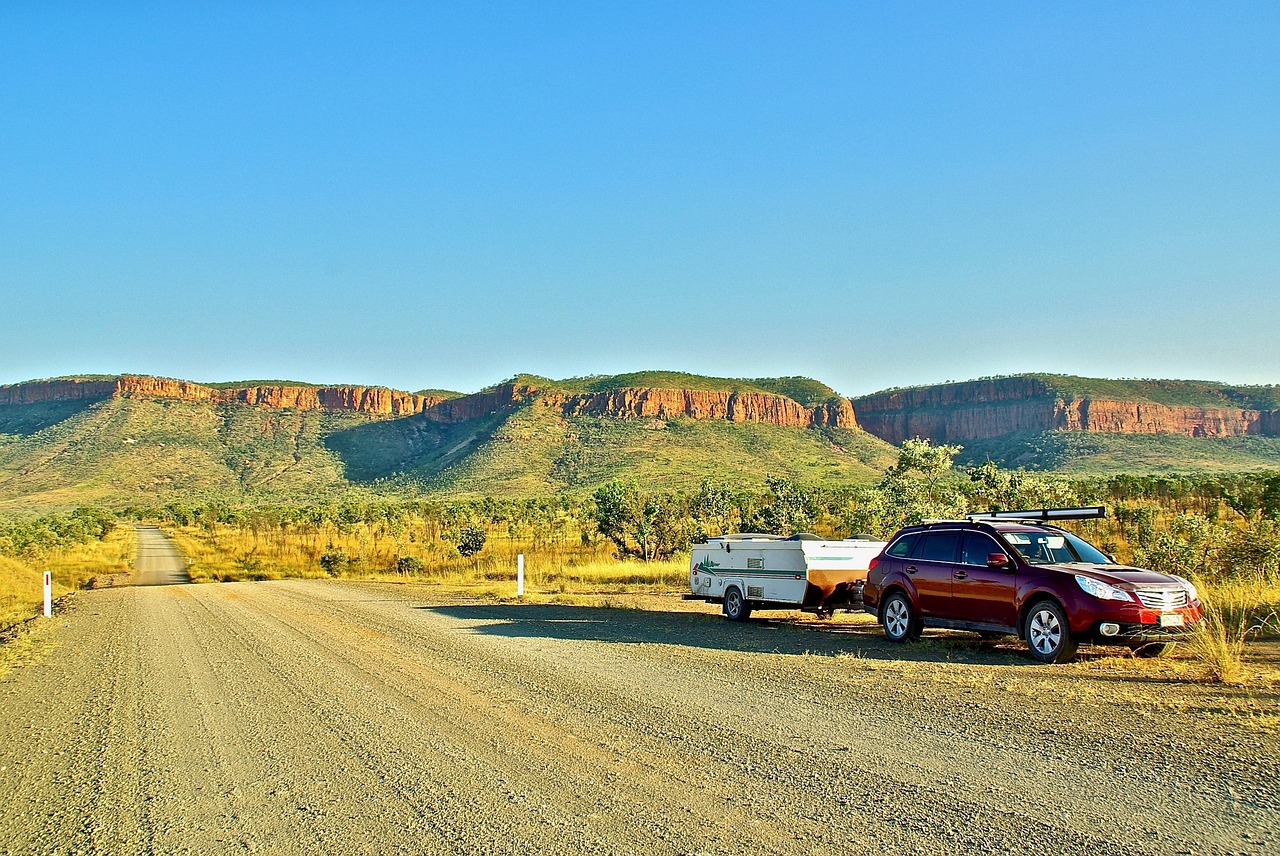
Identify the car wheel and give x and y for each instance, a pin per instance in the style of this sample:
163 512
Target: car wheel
1048 634
735 606
900 622
1151 649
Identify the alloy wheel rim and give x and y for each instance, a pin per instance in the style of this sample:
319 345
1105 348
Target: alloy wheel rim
895 618
1046 632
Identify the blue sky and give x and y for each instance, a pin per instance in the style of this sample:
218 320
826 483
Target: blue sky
443 195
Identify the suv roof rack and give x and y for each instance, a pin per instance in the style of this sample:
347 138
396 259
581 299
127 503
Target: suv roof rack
1044 515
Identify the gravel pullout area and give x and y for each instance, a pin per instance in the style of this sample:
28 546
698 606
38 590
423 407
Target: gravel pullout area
329 717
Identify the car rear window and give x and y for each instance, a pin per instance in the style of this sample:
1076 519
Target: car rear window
938 547
902 547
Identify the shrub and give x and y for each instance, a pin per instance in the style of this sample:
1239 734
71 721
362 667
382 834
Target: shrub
471 541
408 565
334 562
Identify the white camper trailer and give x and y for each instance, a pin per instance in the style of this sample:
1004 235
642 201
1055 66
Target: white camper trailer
806 572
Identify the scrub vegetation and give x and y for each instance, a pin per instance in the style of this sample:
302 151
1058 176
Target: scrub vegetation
76 548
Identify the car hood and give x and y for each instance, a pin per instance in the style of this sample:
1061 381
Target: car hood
1117 575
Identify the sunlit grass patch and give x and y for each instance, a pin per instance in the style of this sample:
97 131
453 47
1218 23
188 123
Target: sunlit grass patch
230 553
22 579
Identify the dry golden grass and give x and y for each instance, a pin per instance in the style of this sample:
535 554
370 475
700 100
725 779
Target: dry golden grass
1234 612
22 580
563 568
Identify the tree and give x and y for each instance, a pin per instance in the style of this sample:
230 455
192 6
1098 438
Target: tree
793 508
471 541
647 526
929 462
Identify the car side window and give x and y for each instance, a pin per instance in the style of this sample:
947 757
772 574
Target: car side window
902 547
977 547
938 547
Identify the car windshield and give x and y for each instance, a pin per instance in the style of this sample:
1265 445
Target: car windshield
1054 548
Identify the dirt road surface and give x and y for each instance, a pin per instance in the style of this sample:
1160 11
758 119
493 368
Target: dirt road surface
330 717
159 563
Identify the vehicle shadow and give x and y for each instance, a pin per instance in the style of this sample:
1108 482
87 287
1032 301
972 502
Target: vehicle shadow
700 630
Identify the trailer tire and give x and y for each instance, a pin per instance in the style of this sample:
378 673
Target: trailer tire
735 605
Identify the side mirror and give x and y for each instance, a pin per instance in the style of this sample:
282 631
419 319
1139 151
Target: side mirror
997 560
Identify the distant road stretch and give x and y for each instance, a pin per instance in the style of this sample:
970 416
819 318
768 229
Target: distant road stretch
327 717
159 563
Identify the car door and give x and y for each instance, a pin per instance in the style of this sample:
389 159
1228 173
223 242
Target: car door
979 593
930 567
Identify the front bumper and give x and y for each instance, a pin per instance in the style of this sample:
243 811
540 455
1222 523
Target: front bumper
1129 633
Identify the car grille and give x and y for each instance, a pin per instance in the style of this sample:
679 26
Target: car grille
1162 599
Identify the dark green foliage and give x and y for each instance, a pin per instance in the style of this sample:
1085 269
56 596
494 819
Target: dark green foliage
335 562
805 390
646 526
409 565
32 536
790 508
471 541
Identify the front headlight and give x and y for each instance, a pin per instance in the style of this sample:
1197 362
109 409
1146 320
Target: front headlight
1101 590
1189 586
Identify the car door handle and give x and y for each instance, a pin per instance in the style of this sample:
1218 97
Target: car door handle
960 575
911 569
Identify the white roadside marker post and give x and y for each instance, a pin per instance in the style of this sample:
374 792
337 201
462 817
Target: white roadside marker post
520 575
48 594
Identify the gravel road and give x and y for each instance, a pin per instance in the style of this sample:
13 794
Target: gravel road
159 562
329 717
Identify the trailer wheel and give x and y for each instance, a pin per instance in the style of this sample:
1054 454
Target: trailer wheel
735 605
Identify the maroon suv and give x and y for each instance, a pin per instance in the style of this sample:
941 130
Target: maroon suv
1004 575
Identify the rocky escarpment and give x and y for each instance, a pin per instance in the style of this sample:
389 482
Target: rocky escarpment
978 410
375 401
625 403
71 389
640 403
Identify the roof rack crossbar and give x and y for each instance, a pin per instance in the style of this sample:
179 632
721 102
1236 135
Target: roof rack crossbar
1090 512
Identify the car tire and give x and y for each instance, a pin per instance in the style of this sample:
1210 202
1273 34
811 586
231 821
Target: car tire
735 605
899 619
1048 634
1151 649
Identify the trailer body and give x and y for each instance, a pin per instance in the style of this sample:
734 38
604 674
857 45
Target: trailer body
802 572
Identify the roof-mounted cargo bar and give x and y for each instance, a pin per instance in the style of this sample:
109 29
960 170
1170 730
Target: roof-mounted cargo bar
1090 512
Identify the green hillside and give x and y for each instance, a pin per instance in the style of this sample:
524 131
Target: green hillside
1096 453
137 450
535 450
133 451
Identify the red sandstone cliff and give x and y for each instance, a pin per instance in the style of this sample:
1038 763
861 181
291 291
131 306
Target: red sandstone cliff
371 400
73 389
977 410
618 403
